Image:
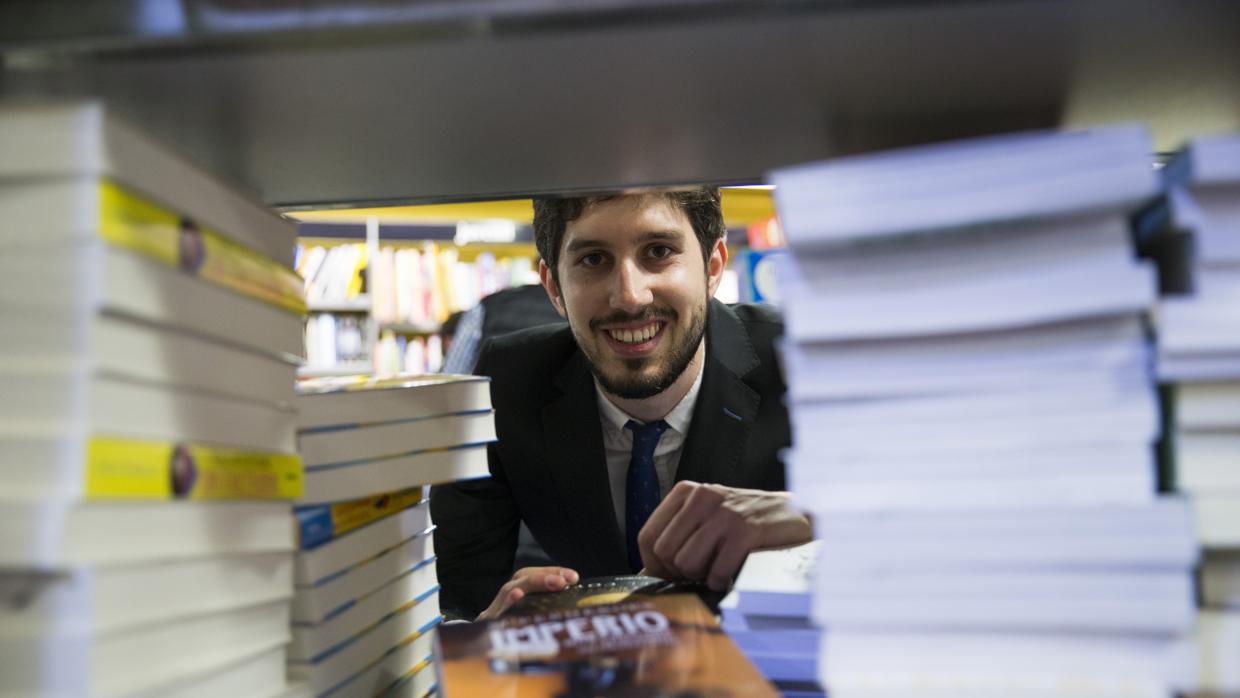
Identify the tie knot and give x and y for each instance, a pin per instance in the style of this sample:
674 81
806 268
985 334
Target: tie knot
646 432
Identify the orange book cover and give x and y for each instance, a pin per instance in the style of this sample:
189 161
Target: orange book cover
642 647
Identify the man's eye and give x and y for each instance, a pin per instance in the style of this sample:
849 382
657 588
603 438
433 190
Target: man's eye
661 251
591 260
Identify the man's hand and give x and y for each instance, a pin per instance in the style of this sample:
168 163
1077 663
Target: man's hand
704 532
528 580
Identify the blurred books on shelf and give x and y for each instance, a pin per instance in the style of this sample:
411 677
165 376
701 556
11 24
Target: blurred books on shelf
974 418
1193 233
387 311
367 597
147 446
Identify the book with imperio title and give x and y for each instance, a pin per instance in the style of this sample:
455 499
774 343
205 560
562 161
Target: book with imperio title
661 645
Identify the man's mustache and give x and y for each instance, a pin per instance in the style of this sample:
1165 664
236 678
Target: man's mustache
646 315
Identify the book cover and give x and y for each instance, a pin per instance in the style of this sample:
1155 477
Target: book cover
344 481
72 467
130 349
359 400
81 139
57 534
82 280
376 441
643 646
321 523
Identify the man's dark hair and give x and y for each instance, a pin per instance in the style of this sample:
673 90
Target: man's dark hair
552 216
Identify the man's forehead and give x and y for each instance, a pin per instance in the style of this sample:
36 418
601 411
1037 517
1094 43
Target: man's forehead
628 216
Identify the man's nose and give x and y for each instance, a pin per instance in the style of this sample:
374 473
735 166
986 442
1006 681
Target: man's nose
630 291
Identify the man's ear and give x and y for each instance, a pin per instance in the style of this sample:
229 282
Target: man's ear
715 266
553 289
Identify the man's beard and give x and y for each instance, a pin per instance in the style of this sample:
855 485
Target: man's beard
629 386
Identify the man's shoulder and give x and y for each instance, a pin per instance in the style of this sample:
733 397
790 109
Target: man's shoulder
532 353
760 315
760 323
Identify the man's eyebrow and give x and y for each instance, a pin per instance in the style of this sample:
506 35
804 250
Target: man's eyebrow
662 235
582 243
652 236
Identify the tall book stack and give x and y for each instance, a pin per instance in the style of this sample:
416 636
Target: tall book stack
147 435
1194 232
767 615
367 596
974 418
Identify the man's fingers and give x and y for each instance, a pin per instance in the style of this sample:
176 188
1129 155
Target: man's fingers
663 514
694 559
727 563
513 596
699 509
500 603
529 580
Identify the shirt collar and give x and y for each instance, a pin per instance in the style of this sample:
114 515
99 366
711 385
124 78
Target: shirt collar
678 419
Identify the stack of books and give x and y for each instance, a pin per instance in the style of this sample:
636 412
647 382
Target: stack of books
767 615
148 460
367 597
1194 233
974 418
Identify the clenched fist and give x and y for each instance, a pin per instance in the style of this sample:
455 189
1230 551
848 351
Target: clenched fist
703 532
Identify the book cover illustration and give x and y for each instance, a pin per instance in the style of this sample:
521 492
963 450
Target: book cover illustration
642 647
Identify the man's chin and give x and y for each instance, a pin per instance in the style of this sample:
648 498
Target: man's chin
632 384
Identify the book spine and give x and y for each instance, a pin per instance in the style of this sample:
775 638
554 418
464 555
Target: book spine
135 469
130 222
322 523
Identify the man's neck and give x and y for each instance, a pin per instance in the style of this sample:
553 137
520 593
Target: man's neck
658 406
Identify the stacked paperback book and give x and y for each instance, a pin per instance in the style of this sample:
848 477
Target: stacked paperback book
767 615
148 459
1194 233
367 597
974 420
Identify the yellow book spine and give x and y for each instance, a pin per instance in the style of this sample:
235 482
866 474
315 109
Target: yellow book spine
347 516
132 469
128 221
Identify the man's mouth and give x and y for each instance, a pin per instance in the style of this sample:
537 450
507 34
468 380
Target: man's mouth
635 335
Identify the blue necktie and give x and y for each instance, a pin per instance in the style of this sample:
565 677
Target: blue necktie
641 487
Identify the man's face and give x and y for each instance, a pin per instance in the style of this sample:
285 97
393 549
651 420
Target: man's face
634 288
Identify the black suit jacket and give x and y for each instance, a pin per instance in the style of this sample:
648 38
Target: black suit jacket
548 466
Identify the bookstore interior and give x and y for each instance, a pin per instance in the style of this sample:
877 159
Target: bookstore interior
250 250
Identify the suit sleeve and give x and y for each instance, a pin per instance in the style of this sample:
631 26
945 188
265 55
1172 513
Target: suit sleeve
475 535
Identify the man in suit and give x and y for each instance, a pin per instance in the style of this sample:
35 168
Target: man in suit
642 437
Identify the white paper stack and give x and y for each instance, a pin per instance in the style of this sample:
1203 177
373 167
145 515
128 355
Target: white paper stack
767 615
367 597
1194 233
974 419
147 435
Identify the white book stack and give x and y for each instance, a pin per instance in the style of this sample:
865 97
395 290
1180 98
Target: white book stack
1195 235
767 615
974 419
147 433
366 600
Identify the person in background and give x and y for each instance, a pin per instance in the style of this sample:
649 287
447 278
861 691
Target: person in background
504 311
642 437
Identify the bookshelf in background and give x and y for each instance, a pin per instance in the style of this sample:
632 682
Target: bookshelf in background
380 296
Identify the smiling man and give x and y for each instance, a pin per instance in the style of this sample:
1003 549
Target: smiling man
645 435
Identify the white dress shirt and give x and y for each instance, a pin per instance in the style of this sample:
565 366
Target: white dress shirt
618 443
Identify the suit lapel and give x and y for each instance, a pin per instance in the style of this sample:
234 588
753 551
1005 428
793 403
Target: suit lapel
572 433
726 407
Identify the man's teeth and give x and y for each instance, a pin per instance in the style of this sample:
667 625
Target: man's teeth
637 336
